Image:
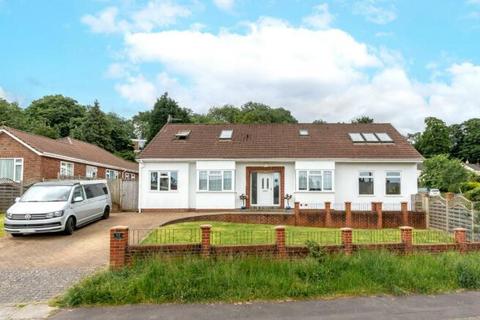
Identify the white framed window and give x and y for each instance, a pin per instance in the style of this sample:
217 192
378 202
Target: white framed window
163 180
111 174
11 168
215 180
66 169
315 180
366 183
91 172
393 183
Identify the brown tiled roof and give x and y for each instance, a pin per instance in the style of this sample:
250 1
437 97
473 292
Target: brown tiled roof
327 141
69 147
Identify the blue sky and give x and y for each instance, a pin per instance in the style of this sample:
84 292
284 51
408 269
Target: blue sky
397 61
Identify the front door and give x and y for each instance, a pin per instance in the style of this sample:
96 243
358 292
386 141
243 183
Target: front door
265 189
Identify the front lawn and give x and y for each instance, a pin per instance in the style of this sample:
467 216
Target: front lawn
195 279
2 232
224 233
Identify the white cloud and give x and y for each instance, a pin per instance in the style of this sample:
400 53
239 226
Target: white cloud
318 74
103 22
374 11
154 14
224 4
321 17
3 94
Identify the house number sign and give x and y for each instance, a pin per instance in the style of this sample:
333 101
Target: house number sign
118 235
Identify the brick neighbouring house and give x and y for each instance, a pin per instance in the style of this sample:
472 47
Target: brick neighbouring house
31 158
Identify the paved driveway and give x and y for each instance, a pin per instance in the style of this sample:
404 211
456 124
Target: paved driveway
39 267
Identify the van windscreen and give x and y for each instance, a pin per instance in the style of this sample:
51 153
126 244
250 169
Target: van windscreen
46 194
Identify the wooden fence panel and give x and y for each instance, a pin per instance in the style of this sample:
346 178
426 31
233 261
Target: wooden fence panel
124 194
9 191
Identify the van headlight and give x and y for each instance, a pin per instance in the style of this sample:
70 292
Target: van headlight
9 215
54 214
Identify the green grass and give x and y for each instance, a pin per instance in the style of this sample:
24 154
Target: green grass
2 232
193 279
224 233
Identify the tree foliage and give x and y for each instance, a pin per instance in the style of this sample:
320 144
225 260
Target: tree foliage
163 108
435 139
363 119
443 173
253 112
12 115
57 112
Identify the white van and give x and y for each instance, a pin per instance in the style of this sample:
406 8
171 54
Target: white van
58 206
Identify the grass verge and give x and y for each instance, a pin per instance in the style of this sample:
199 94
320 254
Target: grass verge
193 279
226 233
2 231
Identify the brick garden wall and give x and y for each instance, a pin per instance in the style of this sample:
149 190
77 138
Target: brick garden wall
122 254
317 218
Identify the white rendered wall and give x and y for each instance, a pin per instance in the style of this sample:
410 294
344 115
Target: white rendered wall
346 182
150 199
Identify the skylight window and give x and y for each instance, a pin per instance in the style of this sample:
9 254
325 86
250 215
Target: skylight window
370 137
303 132
384 137
226 134
182 134
356 137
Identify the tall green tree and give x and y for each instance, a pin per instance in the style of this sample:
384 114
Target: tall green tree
164 107
122 131
319 121
363 119
226 114
95 128
435 139
469 144
141 122
12 115
57 112
443 173
254 112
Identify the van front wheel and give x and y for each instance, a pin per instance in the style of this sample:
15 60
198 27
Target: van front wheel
106 213
69 226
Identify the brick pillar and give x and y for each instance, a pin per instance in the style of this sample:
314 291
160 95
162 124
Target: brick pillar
374 206
378 206
205 245
404 213
280 241
118 246
406 235
461 239
328 215
347 240
296 211
348 214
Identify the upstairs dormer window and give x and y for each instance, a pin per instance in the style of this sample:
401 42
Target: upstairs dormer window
182 134
226 135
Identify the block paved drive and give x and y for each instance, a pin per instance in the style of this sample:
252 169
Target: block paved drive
39 267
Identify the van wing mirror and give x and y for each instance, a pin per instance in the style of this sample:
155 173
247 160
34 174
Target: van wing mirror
17 199
77 199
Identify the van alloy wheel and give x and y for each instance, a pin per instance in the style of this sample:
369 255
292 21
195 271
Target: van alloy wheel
69 226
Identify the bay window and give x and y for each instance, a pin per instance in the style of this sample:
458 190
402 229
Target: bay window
393 183
315 180
11 169
163 180
215 180
365 183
